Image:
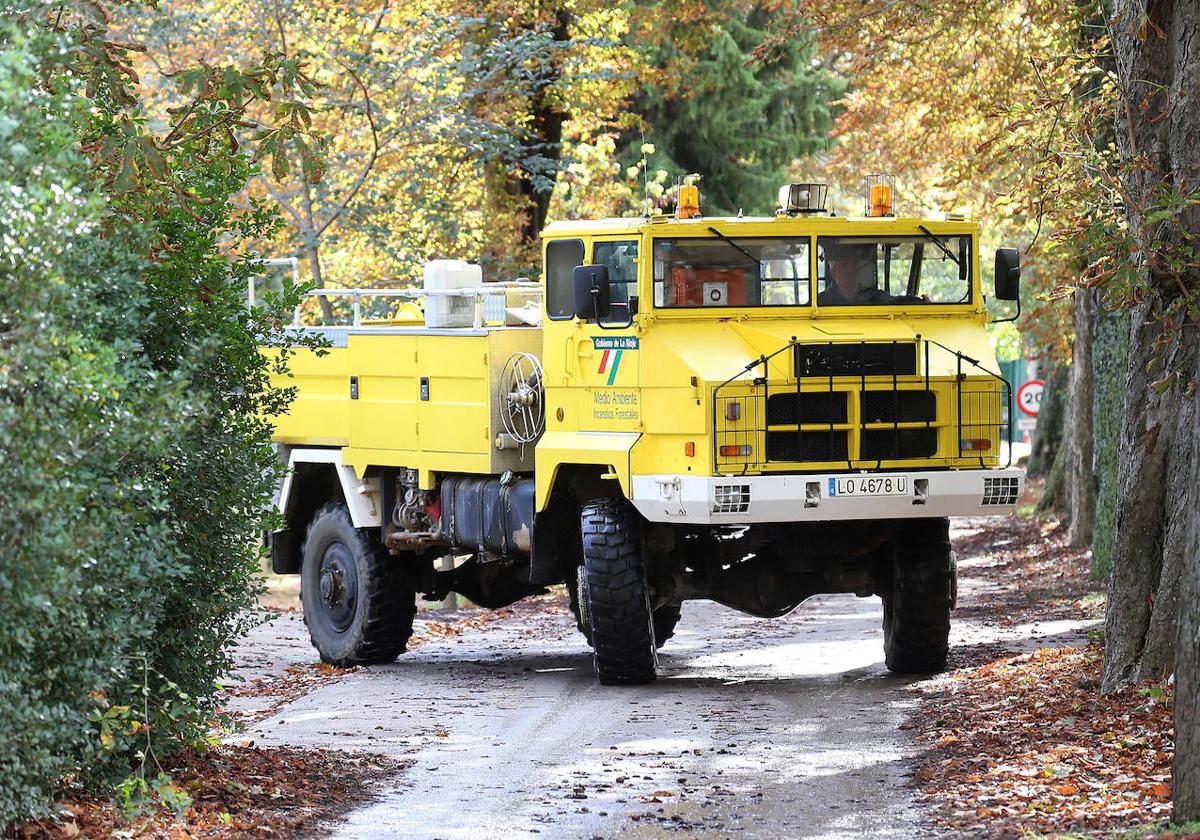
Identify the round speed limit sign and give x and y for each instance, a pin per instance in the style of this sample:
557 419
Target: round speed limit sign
1029 396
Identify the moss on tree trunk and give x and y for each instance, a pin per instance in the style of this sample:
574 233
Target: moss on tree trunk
1110 346
1187 668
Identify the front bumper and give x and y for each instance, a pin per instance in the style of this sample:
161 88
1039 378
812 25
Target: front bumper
740 500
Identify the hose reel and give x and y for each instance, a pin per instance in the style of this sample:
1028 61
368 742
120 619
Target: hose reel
523 412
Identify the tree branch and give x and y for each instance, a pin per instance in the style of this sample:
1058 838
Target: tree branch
371 159
279 199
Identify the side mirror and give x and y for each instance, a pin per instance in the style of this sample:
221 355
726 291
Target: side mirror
593 297
1008 274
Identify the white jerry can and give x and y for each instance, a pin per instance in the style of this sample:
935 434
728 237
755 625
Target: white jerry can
444 310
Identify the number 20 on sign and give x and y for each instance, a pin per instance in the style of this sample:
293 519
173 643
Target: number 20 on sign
1029 396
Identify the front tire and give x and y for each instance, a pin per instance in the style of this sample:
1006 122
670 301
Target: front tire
614 594
916 614
358 604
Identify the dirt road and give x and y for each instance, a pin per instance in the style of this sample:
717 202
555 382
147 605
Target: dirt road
783 728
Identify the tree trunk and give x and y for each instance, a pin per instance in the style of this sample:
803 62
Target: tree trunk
312 252
1054 492
1186 788
548 117
1047 437
1157 49
313 257
1080 477
1156 503
1110 350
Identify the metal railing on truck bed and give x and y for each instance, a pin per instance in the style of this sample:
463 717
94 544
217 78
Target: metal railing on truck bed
483 299
861 405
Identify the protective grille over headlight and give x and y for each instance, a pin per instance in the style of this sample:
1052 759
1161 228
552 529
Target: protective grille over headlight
1000 490
731 498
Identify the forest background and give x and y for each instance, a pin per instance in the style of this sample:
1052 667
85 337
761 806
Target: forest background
364 138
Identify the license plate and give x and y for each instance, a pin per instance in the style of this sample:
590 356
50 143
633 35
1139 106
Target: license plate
869 485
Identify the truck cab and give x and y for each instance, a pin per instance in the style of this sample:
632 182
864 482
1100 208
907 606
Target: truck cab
751 410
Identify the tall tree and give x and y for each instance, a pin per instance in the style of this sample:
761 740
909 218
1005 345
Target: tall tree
1157 48
1080 452
418 103
718 102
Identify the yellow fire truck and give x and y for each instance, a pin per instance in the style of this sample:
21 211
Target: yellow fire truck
750 410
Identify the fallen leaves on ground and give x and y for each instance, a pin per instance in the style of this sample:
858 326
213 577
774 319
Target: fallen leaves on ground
1028 744
425 632
236 792
1031 571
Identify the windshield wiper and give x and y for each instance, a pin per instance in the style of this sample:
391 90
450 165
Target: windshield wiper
722 236
942 245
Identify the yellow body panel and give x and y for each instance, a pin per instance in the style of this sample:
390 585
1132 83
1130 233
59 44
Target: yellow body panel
636 400
672 359
455 426
605 449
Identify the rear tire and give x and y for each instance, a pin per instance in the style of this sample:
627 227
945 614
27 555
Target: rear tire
358 604
614 596
916 615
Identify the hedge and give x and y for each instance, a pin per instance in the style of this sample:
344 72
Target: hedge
135 466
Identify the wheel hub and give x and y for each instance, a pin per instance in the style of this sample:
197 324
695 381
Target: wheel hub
332 587
338 583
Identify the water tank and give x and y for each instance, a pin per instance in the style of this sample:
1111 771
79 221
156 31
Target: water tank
445 311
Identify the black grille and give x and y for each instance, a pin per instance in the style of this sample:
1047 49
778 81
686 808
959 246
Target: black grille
892 444
898 407
807 446
793 409
856 359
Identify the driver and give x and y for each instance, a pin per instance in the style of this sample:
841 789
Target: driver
850 276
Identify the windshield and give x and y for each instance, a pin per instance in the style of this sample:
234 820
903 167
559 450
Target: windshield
731 272
859 270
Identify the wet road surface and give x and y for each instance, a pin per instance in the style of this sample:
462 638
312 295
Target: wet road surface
767 728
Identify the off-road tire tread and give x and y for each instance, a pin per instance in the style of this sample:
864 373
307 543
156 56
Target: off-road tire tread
916 622
390 600
666 617
572 585
619 608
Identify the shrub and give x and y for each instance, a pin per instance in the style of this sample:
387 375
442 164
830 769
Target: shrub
135 465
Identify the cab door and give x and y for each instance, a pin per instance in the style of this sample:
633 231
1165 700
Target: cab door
607 353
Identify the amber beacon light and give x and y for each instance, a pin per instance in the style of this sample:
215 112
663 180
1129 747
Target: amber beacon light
689 201
878 192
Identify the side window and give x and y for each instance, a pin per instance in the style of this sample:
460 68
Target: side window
562 256
622 261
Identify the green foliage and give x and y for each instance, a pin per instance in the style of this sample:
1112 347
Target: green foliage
137 795
1006 340
735 117
135 464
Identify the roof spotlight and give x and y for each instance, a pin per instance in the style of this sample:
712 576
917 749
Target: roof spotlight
802 198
